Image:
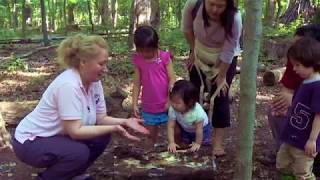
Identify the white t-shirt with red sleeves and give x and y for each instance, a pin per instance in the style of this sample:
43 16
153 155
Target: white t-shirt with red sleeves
64 99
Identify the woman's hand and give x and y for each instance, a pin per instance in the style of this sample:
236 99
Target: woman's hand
172 147
190 60
222 85
122 131
194 147
135 124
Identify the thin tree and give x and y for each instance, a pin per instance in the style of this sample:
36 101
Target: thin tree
44 23
24 19
90 15
252 36
155 14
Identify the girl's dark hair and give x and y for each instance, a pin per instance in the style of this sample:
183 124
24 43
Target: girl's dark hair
226 19
310 30
146 36
307 52
187 91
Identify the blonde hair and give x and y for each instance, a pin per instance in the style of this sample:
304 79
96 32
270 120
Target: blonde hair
79 48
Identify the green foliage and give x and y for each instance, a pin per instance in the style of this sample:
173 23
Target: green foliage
121 67
282 30
316 18
174 41
14 64
118 46
8 34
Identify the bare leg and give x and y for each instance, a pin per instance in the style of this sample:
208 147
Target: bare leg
151 138
217 147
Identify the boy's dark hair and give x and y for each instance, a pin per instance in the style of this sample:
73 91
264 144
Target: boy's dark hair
310 30
187 91
146 36
307 52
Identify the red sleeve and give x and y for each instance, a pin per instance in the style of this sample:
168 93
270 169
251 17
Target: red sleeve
290 79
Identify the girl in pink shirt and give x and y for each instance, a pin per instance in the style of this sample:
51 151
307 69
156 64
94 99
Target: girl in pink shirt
153 73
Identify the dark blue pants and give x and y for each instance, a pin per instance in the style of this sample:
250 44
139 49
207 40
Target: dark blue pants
62 156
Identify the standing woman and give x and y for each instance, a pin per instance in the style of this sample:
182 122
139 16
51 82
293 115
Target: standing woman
212 30
69 128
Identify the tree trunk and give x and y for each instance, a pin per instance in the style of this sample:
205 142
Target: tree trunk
4 135
155 14
252 36
14 15
303 8
103 10
44 23
279 10
52 14
132 25
178 12
24 19
71 7
114 6
142 11
140 14
270 12
65 16
90 15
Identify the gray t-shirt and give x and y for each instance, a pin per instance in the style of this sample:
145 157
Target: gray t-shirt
214 35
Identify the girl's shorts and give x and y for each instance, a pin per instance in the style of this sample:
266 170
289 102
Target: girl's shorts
154 119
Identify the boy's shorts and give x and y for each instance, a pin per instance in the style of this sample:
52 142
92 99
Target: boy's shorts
155 119
188 137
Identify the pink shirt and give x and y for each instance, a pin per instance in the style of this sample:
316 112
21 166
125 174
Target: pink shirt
64 99
154 81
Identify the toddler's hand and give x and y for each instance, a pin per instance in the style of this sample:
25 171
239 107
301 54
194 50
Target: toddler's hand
172 147
310 148
194 147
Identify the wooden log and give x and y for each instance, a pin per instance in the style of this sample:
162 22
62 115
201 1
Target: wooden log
271 77
5 137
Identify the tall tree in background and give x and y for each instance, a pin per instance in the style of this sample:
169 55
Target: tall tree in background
24 19
44 23
14 14
178 12
139 14
90 15
269 17
252 37
155 14
103 9
65 16
71 5
305 8
114 6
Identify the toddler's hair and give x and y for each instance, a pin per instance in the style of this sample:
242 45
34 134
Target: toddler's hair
146 37
307 52
186 91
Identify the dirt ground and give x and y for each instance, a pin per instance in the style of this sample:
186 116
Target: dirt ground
122 159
